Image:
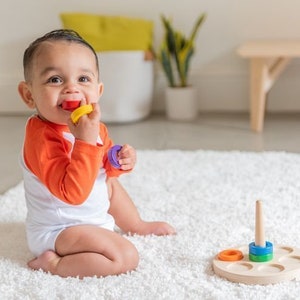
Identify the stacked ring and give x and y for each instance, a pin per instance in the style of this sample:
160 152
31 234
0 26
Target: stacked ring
80 111
112 156
230 255
261 258
258 250
70 105
261 254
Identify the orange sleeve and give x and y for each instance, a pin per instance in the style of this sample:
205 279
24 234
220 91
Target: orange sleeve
68 174
47 155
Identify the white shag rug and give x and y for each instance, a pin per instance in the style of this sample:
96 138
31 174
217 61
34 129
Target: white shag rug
209 196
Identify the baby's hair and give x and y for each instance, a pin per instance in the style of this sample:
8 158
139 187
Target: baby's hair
54 35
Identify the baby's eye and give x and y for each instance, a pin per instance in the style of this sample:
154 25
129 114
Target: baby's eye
54 79
84 79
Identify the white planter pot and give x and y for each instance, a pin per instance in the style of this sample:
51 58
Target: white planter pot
181 103
128 86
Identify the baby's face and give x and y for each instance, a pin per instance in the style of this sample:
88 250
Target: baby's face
63 71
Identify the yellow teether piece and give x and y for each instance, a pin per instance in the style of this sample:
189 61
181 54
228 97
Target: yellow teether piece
80 111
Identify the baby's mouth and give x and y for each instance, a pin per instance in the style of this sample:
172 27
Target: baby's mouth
70 105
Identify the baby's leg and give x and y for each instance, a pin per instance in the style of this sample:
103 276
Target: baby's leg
126 214
88 251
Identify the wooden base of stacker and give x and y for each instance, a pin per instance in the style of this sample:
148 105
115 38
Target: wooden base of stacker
284 266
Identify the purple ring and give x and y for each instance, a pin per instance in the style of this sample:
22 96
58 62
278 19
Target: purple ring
112 156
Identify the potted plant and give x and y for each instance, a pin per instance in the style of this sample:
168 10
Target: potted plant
175 55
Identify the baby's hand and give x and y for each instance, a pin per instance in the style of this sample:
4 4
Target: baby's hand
87 127
127 157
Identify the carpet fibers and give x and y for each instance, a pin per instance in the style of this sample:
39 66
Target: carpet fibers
208 196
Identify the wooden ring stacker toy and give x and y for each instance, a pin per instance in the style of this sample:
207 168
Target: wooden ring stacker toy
261 262
80 111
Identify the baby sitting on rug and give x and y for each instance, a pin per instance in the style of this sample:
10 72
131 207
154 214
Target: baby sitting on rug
73 196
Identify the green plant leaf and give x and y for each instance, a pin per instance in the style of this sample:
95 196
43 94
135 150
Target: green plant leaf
197 26
166 64
177 50
184 57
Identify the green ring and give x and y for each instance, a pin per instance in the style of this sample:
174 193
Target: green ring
261 258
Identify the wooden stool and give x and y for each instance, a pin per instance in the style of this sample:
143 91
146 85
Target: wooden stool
267 61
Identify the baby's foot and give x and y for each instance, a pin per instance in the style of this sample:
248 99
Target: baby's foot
47 261
156 228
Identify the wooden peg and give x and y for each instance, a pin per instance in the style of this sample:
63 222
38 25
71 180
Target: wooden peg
259 226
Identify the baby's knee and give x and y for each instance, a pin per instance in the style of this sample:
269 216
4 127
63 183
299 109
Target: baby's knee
130 258
135 258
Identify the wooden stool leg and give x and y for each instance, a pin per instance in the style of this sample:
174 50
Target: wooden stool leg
258 82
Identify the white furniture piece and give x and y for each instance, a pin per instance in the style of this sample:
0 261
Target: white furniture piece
128 85
268 58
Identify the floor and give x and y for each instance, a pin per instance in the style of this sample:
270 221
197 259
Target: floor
209 131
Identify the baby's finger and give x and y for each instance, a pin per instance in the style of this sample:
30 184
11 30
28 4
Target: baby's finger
126 163
126 151
96 110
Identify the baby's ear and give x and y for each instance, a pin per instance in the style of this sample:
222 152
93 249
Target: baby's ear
101 88
25 94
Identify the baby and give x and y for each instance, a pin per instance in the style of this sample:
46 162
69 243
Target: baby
73 196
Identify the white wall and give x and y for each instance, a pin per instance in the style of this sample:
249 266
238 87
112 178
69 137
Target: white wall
220 75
